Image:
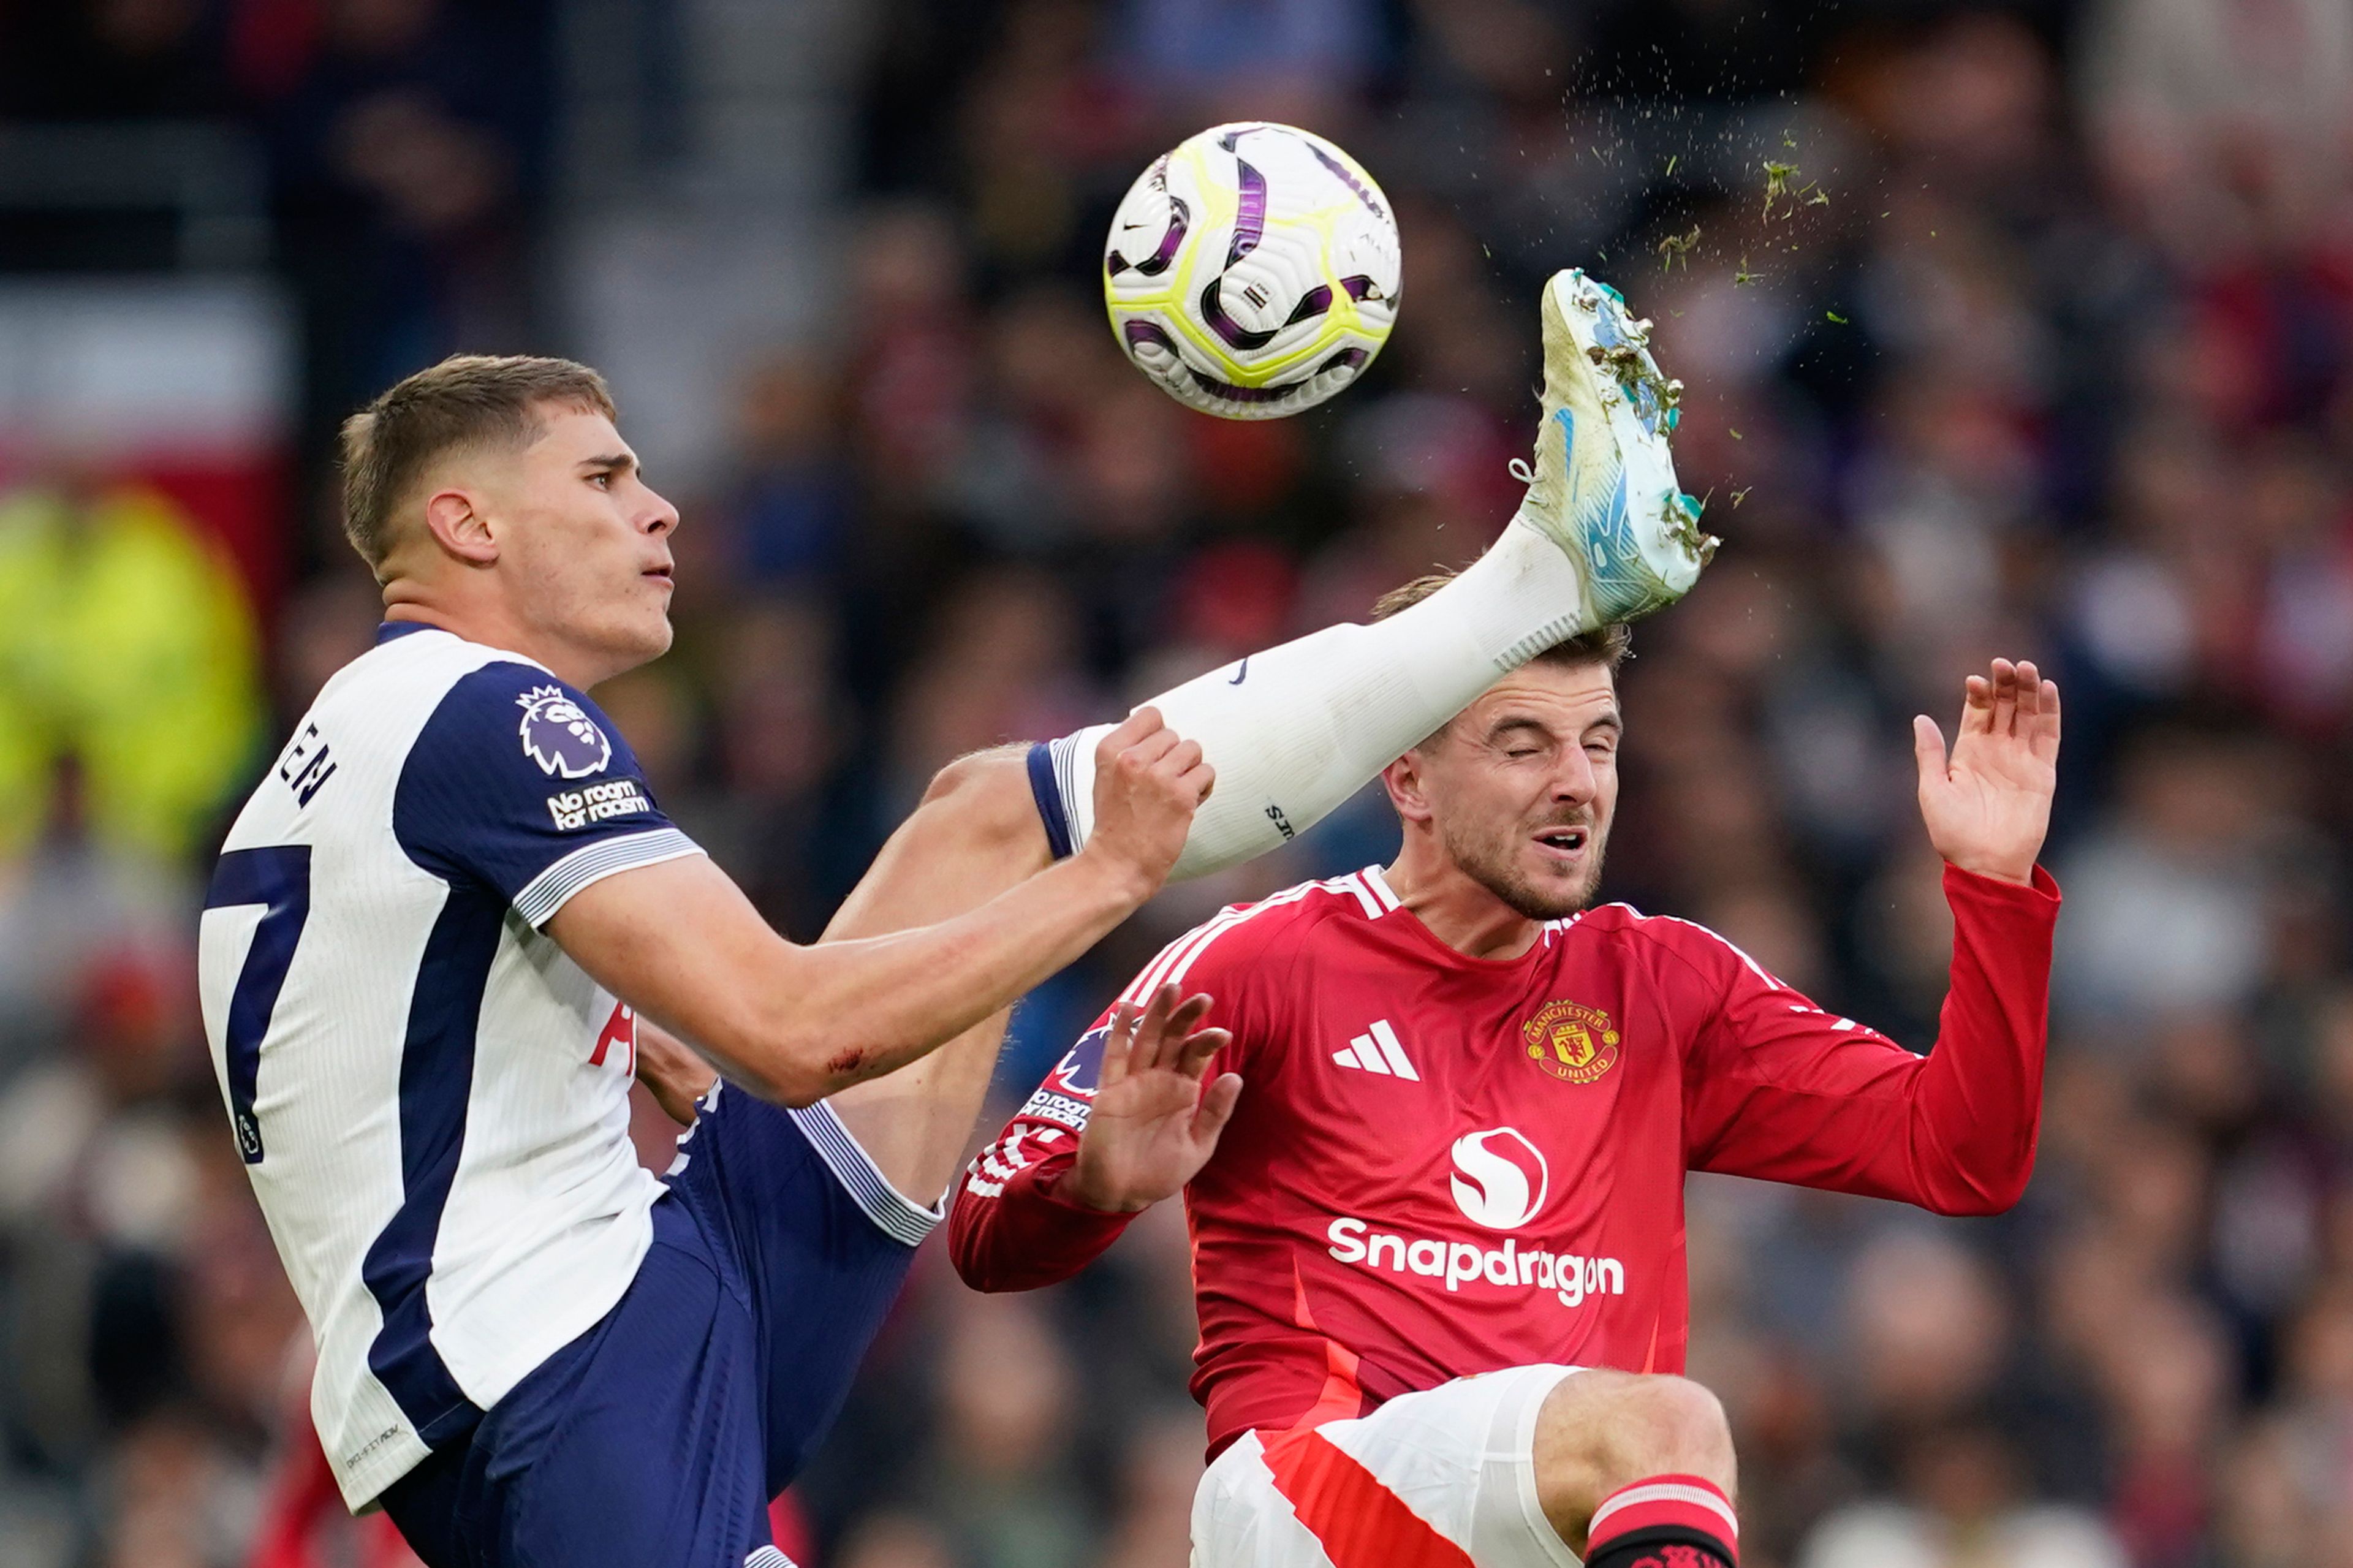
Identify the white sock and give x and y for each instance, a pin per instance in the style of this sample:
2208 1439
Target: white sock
1296 730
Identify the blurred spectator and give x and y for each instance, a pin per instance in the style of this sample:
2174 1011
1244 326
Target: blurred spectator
2226 132
1007 1395
405 141
113 59
791 502
1963 1503
127 647
2166 905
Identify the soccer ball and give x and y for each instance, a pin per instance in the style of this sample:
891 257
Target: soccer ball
1252 271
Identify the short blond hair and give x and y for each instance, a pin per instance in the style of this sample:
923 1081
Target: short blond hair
467 400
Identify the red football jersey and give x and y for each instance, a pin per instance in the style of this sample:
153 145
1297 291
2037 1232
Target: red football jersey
1442 1165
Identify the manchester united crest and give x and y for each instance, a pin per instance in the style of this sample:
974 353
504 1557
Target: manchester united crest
1572 1042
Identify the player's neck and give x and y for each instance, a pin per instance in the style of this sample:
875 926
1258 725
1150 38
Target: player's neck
486 619
1457 911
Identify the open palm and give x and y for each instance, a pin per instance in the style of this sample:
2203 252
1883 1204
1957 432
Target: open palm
1988 805
1153 1128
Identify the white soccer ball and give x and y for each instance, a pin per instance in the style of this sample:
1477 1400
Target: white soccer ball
1252 271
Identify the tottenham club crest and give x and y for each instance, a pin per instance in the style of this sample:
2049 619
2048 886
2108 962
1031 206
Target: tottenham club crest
1571 1041
558 734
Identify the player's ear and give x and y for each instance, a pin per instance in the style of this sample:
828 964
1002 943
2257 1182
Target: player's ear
460 528
1403 780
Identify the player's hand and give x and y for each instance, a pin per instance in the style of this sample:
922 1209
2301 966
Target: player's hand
1153 1127
1148 784
671 1071
1988 805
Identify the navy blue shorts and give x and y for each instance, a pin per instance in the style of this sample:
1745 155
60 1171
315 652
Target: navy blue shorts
656 1439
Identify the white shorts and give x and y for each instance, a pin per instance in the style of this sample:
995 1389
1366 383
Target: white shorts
1433 1479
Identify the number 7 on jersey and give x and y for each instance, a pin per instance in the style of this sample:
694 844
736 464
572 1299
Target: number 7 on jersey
277 877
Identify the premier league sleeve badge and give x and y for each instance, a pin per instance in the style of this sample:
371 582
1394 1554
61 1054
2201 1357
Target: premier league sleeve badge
558 734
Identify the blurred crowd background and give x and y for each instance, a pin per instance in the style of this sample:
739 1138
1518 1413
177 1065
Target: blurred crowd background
2047 350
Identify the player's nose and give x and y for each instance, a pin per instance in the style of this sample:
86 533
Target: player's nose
660 516
1575 781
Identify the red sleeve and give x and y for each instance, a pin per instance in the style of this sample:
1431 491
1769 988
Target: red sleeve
1776 1088
1011 1228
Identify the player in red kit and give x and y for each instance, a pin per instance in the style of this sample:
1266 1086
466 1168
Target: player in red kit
1433 1148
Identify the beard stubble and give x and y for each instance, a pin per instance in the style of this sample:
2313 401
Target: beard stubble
1491 864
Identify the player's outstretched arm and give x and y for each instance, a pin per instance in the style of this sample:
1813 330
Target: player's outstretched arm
1779 1089
679 943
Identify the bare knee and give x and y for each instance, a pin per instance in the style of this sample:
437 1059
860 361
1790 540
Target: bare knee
987 794
1602 1430
1667 1426
976 834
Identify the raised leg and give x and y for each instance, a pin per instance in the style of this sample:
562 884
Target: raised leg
976 834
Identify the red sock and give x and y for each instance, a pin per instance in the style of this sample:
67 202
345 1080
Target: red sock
1665 1521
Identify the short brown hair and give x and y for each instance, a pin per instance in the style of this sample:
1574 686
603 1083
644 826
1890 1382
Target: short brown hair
1608 646
467 400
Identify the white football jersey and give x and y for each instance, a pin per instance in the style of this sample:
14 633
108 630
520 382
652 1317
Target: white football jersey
431 1099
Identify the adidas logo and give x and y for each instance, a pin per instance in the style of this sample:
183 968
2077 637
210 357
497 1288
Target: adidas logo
1377 1050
